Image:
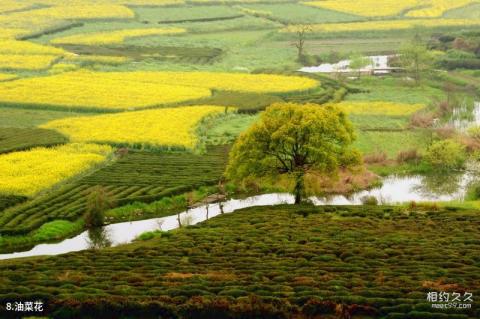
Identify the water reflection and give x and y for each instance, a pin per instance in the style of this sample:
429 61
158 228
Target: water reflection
466 116
98 238
443 184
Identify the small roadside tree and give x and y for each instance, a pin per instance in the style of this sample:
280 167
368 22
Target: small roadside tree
358 62
293 139
98 201
445 154
416 59
302 31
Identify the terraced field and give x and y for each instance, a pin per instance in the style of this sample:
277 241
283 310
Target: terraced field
10 200
17 139
273 262
137 176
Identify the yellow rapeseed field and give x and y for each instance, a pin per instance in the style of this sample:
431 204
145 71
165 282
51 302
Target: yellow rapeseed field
9 5
62 67
387 25
102 59
95 90
114 37
26 62
61 14
24 55
11 33
169 127
240 82
7 76
133 90
26 47
367 8
29 172
118 2
69 11
380 108
436 8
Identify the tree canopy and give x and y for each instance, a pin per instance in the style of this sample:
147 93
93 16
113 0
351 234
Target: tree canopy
294 139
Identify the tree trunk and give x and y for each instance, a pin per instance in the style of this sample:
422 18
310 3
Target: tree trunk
299 187
221 208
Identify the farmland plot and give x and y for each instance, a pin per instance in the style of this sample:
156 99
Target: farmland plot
167 127
302 260
17 139
137 176
29 172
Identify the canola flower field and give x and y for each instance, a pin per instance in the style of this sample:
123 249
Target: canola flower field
386 25
374 8
29 172
380 108
169 127
365 7
130 90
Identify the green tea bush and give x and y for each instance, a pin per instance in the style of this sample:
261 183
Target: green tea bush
275 271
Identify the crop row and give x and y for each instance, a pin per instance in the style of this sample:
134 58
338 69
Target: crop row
371 261
137 176
10 200
17 139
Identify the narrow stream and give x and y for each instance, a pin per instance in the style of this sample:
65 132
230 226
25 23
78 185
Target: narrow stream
394 190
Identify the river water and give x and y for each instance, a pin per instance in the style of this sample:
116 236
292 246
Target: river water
394 190
464 117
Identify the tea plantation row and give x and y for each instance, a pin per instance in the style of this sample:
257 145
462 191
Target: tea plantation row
268 262
137 176
19 139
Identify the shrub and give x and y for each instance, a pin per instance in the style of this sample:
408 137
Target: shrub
445 154
408 156
98 201
474 192
375 158
474 132
422 119
369 200
445 132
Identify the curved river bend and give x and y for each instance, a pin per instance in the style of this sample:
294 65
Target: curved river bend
394 190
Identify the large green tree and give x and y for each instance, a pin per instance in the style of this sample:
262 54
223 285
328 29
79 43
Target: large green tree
294 139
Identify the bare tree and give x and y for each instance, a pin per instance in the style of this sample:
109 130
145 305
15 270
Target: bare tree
222 194
302 32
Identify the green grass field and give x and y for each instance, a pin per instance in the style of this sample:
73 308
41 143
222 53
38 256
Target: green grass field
391 143
378 262
394 90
